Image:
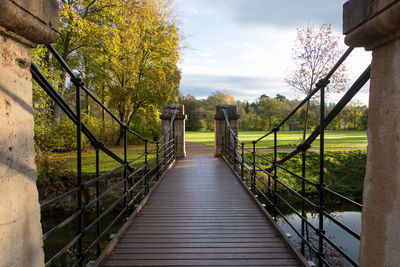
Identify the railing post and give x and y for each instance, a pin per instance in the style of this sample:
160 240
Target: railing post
275 178
223 152
98 248
125 170
78 82
242 162
146 184
158 160
231 162
253 172
321 184
303 212
175 147
234 156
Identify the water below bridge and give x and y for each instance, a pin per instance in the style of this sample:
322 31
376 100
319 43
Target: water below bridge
201 214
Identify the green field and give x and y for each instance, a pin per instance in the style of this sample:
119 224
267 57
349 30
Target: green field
345 138
68 161
286 139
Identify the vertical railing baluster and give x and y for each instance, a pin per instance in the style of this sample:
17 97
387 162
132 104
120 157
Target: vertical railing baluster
232 148
146 184
269 187
231 153
242 163
162 154
175 146
98 249
226 141
78 82
253 172
275 171
223 146
125 171
174 142
303 213
158 160
235 157
321 177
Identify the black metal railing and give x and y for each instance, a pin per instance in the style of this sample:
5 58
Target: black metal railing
263 179
112 203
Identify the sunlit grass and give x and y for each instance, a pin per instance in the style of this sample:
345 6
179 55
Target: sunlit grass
333 139
106 162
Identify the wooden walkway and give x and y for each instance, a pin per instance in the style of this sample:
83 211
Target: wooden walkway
201 215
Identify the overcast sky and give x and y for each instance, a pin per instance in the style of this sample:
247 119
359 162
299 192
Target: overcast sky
244 46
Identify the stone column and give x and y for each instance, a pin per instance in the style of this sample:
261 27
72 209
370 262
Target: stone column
220 125
23 24
375 25
179 126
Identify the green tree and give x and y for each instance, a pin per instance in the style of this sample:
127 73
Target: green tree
195 113
127 54
211 102
141 59
353 114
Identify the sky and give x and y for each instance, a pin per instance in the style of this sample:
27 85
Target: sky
244 47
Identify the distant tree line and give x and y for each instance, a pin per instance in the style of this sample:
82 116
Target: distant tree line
266 112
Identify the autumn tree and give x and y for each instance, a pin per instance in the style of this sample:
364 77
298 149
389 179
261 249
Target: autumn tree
140 55
125 51
315 52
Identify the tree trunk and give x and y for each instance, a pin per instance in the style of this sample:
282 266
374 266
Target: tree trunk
87 107
120 141
306 121
57 110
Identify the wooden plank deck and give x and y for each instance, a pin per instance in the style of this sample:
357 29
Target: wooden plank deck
200 215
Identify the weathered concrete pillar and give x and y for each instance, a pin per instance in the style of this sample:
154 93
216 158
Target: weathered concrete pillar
375 25
23 24
179 126
220 125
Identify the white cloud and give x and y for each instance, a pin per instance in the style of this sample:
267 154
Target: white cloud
229 48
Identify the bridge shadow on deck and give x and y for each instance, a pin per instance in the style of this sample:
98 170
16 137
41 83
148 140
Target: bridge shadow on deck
201 215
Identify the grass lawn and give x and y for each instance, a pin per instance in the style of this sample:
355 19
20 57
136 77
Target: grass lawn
285 139
344 138
106 163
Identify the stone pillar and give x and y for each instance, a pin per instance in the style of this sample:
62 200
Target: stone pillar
375 25
179 126
220 125
23 24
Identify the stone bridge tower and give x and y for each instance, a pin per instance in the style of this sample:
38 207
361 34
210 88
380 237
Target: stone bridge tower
23 25
375 25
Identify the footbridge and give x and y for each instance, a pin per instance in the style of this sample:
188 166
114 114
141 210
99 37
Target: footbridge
201 215
209 206
179 204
